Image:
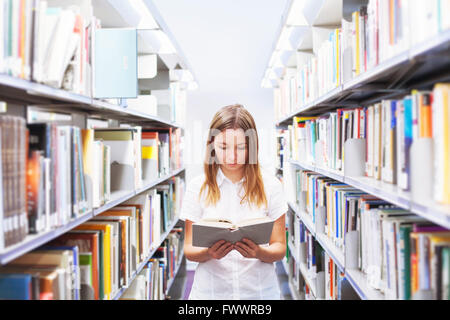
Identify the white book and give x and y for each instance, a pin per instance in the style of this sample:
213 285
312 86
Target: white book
390 261
100 168
60 41
96 152
29 7
386 144
2 39
137 139
48 20
156 211
2 223
144 201
62 177
42 35
15 62
377 140
445 15
400 140
107 174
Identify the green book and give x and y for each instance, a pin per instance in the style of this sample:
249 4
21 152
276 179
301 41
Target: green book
87 288
101 280
446 273
405 262
114 135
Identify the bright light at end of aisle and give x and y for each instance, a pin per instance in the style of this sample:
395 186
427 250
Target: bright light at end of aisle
296 16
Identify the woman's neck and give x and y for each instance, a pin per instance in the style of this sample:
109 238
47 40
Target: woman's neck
233 175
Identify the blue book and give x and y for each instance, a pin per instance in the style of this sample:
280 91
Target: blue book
116 63
407 103
76 266
15 286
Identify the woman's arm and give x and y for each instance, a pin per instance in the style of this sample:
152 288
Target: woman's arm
277 245
219 250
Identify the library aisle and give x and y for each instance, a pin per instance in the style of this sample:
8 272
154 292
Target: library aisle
106 126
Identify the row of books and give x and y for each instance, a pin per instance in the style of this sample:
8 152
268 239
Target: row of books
50 42
97 258
321 272
59 43
376 32
152 282
390 253
69 171
389 129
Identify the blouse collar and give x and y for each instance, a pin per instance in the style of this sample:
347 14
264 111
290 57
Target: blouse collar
220 178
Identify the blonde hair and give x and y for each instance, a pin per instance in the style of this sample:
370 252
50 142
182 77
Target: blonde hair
234 117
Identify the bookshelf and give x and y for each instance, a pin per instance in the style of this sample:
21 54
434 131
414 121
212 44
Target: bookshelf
142 265
24 95
35 241
294 293
435 47
175 273
417 65
389 192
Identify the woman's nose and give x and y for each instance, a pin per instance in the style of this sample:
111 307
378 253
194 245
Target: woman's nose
231 155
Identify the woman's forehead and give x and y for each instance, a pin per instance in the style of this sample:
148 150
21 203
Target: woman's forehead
231 135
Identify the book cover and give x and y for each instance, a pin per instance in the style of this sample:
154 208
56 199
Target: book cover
87 244
15 286
207 232
106 251
91 241
115 60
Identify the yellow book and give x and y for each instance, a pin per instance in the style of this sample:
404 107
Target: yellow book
106 252
441 137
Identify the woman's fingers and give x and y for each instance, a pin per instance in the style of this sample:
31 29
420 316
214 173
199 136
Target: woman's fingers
241 251
223 247
216 245
249 243
242 248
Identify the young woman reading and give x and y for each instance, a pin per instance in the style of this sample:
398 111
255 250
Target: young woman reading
233 188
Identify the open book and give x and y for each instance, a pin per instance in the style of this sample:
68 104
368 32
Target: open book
208 231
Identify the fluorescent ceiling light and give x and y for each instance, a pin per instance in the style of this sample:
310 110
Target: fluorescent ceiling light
147 21
296 16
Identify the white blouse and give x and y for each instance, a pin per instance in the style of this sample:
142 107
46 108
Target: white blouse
234 276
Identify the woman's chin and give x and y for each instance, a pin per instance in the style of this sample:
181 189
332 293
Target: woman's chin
234 166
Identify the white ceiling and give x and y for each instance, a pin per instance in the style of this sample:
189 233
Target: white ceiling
227 42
